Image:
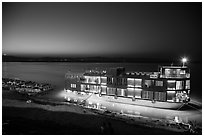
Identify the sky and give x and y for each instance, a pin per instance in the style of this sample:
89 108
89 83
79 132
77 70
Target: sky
145 30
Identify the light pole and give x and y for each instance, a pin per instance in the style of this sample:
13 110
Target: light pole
184 60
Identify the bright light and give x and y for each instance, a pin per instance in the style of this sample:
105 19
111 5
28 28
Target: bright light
184 60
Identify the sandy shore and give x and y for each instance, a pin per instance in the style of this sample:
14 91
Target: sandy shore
79 120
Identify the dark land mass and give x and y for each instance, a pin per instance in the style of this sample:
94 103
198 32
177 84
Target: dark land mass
6 58
35 121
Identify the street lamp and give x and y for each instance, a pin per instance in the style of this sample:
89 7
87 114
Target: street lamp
184 60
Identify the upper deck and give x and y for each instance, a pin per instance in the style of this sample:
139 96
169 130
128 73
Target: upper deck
174 72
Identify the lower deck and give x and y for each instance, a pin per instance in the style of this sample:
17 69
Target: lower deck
97 98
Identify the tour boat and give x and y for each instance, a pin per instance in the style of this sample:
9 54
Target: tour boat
168 88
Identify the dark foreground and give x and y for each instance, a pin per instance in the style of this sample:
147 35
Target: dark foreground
35 121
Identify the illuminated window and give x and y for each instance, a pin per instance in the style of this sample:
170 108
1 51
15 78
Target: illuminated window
120 92
73 85
92 87
130 82
134 82
187 84
167 72
83 87
160 96
103 80
137 92
112 81
171 84
92 79
111 91
138 82
86 79
130 92
103 89
182 72
179 84
147 95
159 83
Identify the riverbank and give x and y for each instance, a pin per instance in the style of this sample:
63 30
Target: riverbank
73 120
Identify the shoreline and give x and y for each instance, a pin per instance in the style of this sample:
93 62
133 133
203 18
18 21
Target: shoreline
143 123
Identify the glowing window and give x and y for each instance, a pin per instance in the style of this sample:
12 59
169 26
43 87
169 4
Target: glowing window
130 82
167 72
83 87
137 92
147 95
103 89
187 84
73 85
138 82
171 84
160 96
120 92
86 79
179 84
159 83
103 80
182 72
130 92
111 91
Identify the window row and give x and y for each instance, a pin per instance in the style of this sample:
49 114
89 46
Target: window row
95 80
116 81
171 96
169 72
152 83
134 93
73 85
132 82
178 85
90 88
92 79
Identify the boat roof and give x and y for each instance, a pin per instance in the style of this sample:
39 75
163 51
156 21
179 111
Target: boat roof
175 67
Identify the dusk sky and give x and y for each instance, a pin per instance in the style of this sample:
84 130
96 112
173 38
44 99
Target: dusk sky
160 30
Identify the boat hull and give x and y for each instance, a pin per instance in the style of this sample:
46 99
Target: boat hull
95 98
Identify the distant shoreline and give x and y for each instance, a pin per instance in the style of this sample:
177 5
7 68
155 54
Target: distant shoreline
89 59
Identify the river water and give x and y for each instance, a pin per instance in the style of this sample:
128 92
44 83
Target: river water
54 73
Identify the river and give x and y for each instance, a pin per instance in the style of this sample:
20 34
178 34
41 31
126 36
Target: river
54 73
